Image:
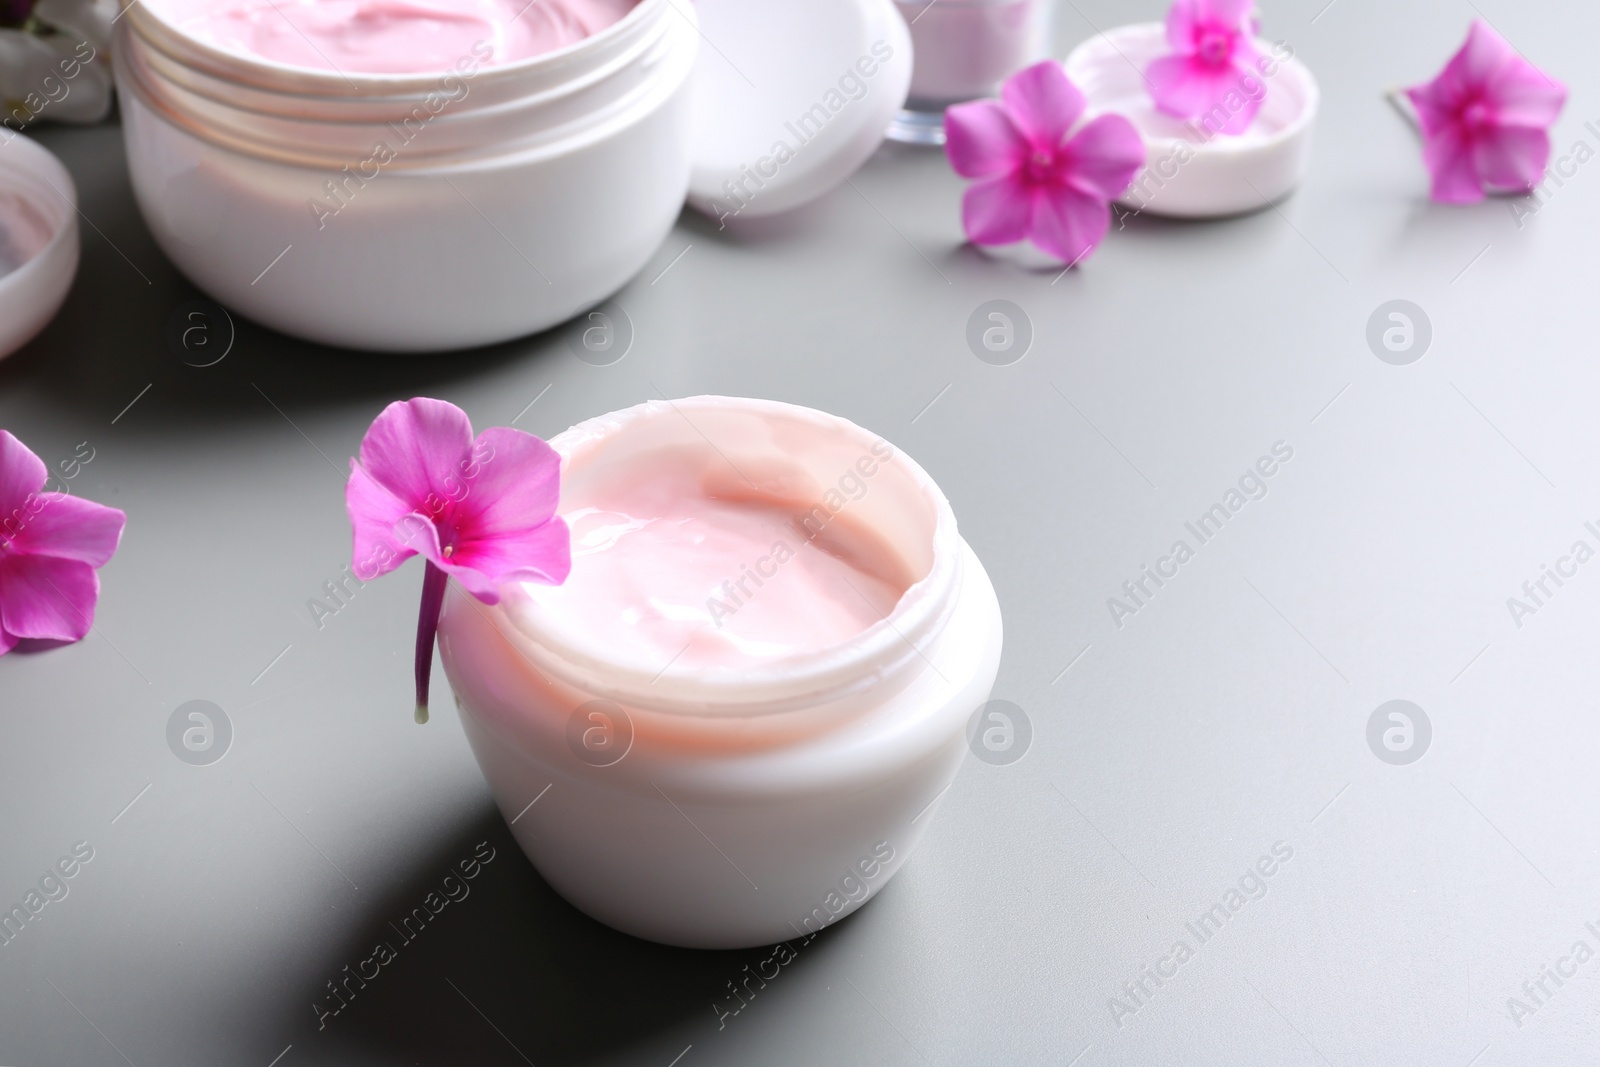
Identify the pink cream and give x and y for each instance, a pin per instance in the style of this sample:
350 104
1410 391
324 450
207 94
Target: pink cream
688 564
399 36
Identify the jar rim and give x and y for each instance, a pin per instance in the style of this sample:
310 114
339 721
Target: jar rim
29 172
883 651
256 69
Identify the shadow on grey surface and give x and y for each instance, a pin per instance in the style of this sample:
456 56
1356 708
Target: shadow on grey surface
115 334
505 972
1428 225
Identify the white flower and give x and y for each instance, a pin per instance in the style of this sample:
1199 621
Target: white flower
64 73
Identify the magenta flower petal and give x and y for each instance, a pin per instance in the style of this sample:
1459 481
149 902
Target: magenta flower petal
1525 96
377 518
1069 225
1231 12
1434 111
1479 59
1511 158
21 474
1043 103
518 483
981 140
1106 153
48 598
1485 120
998 211
67 527
1182 18
415 448
1177 86
486 564
50 545
1186 89
1454 176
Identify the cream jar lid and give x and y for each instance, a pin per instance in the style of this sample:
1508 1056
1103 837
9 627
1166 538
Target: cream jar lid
38 238
790 97
1192 171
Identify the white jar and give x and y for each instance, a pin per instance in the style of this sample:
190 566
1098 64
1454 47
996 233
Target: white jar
750 803
1192 170
410 212
421 212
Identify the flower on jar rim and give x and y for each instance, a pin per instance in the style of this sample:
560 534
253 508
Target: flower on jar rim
481 511
1485 120
50 547
1210 71
1034 181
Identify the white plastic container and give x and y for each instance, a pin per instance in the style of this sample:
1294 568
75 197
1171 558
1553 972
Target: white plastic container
39 212
1191 171
425 212
525 193
746 805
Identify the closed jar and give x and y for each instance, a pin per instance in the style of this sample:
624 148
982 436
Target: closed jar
732 800
409 212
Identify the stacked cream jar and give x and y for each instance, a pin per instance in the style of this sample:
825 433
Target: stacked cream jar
409 212
497 193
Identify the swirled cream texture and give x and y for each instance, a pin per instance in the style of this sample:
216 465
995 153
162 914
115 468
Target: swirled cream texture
397 36
689 565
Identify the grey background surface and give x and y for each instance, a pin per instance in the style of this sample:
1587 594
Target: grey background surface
1230 713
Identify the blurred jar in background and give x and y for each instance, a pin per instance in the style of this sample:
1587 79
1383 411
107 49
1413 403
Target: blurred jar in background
963 50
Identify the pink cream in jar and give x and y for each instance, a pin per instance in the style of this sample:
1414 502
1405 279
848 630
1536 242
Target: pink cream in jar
740 710
408 175
398 36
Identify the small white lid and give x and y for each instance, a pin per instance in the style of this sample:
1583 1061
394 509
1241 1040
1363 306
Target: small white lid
790 97
1191 171
39 228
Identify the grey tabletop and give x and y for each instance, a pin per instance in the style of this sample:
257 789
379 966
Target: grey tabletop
1428 874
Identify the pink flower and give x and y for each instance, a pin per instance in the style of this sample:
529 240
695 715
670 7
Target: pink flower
1485 120
1033 181
481 511
50 545
1210 68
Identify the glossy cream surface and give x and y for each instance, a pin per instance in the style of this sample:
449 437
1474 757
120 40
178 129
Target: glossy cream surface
395 36
688 565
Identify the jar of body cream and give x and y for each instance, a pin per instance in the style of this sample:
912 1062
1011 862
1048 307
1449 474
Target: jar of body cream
732 723
465 205
409 176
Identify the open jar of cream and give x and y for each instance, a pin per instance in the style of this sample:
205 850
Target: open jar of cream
964 50
484 195
414 175
731 724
